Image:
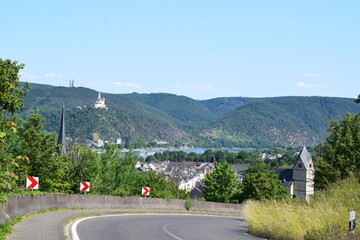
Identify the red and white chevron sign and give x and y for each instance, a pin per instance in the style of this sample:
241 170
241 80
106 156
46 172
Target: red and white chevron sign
85 186
32 182
145 191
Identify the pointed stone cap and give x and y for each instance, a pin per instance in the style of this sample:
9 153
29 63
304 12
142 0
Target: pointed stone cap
305 159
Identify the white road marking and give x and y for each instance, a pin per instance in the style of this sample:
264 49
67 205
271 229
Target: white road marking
73 233
169 233
74 236
176 237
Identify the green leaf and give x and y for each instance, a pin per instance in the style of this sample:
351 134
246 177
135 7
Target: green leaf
2 134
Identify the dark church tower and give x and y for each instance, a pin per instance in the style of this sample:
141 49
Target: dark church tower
62 136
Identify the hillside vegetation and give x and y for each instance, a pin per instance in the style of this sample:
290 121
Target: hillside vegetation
325 217
185 109
221 106
133 120
219 122
291 121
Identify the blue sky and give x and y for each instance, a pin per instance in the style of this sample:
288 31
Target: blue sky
201 49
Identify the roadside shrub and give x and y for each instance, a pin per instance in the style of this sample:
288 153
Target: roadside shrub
188 204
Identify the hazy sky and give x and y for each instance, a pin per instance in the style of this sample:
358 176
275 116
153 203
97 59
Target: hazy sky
201 49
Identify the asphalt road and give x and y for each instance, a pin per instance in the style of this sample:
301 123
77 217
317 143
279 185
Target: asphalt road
161 227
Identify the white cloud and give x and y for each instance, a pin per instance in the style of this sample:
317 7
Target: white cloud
52 75
311 75
198 86
308 85
129 84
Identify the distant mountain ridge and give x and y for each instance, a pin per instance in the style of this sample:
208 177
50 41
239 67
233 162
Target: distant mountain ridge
185 109
180 120
289 121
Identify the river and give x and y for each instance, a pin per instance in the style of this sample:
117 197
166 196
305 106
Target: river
148 152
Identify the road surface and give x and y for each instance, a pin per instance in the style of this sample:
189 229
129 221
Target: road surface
160 227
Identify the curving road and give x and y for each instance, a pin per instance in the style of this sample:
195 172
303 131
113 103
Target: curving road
160 227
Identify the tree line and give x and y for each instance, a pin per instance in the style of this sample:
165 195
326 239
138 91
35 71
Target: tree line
251 157
337 158
27 150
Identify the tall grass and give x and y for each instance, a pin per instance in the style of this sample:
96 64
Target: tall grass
326 216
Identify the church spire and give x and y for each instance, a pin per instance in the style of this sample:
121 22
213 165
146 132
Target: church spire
62 136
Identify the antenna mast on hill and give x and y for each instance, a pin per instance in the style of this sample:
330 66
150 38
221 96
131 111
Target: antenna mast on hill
71 83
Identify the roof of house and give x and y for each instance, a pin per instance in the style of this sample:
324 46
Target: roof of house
240 167
285 174
179 165
197 192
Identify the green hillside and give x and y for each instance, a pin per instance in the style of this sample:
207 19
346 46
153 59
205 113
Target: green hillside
132 119
221 106
292 121
219 122
185 109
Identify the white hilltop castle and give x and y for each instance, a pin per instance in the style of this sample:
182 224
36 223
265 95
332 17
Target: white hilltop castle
100 102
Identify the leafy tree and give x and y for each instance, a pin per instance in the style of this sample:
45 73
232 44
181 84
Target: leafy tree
39 147
191 157
11 93
248 157
108 178
162 188
221 184
128 177
209 155
287 159
84 165
260 183
151 158
339 156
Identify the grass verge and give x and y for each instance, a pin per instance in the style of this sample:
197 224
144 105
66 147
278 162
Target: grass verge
326 216
7 227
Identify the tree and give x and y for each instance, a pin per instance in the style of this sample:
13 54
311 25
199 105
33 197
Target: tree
208 155
128 177
162 188
84 165
39 148
260 183
107 179
221 184
11 93
339 156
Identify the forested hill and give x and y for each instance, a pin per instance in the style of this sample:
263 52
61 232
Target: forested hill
183 108
221 106
133 120
291 121
219 122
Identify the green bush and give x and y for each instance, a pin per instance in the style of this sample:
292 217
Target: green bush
188 204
